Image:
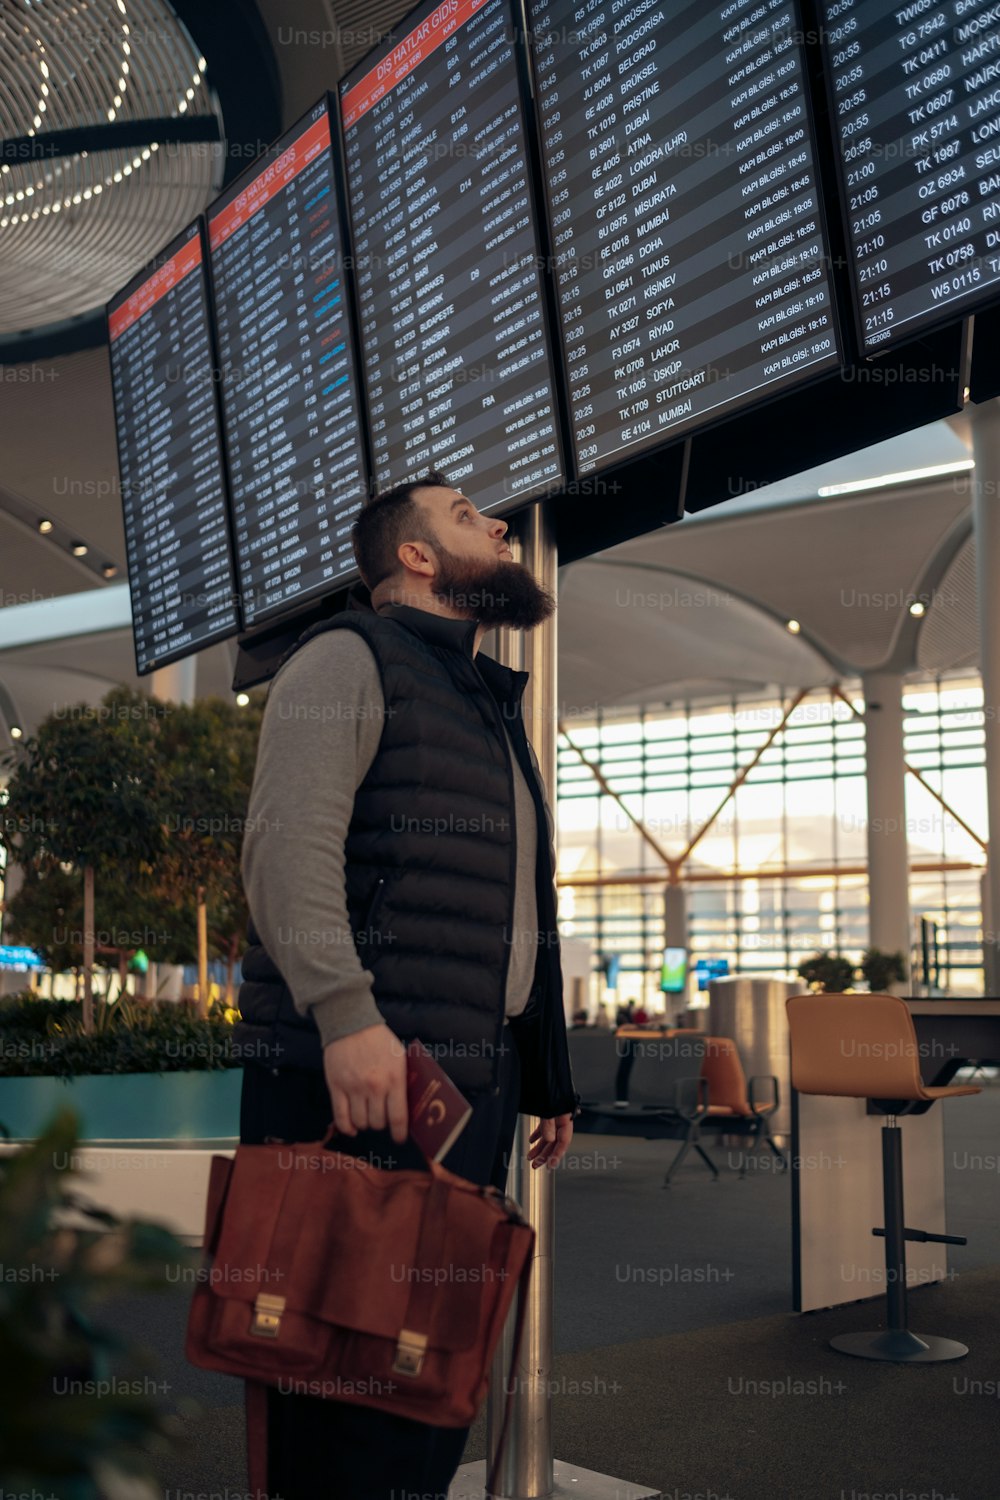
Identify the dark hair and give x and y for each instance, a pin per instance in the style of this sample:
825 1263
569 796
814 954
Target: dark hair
386 521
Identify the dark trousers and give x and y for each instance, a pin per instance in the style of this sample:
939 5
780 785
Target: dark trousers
334 1450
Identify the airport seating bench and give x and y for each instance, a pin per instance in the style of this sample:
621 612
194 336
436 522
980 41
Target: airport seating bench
670 1084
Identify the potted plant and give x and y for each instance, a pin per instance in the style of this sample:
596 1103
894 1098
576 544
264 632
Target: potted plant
73 1425
881 970
829 972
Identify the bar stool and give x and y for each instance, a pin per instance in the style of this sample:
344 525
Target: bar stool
865 1047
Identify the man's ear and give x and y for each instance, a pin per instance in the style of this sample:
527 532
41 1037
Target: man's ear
417 557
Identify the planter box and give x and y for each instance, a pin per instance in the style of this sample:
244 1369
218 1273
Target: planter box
165 1183
189 1106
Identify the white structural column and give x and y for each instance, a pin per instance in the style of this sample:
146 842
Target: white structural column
889 925
177 682
986 522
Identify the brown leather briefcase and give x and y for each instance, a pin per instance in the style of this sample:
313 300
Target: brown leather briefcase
327 1276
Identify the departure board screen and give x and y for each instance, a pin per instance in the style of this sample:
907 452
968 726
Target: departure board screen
170 458
916 91
289 386
455 344
690 244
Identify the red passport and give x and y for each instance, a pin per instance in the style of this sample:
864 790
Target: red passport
438 1110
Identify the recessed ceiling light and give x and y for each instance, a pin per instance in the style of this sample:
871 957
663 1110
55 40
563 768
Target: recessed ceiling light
16 731
243 699
45 526
793 626
78 549
918 608
110 570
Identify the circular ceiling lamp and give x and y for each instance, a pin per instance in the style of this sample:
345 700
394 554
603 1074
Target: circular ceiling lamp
111 141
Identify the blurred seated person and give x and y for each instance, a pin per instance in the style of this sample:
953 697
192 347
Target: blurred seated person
580 1019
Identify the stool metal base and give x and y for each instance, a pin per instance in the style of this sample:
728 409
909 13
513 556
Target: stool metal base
900 1347
568 1480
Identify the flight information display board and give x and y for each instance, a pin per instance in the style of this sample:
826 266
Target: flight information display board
170 458
916 91
454 339
690 245
289 383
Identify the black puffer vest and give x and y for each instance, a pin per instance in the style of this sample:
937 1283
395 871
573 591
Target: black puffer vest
430 859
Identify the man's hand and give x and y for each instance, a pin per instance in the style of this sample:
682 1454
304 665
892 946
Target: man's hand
552 1138
366 1075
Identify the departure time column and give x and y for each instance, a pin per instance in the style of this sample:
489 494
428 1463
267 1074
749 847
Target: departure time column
918 125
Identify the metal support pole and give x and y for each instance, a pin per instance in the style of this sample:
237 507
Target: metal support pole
528 1470
527 1466
895 1242
986 525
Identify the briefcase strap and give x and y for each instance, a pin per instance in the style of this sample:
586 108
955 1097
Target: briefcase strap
413 1336
256 1417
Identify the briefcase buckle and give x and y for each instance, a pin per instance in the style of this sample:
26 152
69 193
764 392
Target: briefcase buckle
267 1310
410 1350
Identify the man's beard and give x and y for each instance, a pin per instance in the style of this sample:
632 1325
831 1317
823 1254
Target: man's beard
499 593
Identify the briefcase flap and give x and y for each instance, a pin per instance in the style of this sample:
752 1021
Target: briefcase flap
337 1239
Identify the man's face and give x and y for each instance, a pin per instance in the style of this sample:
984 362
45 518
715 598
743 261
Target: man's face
460 528
476 572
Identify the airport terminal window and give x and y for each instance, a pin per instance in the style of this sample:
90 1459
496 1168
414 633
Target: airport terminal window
781 869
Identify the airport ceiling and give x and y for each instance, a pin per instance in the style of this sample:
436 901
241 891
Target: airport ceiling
694 609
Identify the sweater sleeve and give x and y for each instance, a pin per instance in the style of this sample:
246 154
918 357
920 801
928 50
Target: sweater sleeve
320 733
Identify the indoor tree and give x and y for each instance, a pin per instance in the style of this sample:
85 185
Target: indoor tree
208 749
86 793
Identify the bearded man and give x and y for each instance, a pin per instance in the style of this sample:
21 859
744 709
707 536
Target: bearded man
400 873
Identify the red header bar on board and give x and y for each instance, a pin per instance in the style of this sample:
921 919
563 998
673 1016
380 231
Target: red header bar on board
187 258
405 56
271 180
